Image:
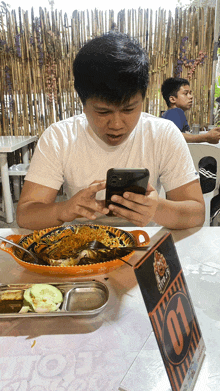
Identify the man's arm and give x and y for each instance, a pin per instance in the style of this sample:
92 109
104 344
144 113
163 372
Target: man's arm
183 208
37 208
211 137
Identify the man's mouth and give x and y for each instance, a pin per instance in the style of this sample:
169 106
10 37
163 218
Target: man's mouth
114 139
114 135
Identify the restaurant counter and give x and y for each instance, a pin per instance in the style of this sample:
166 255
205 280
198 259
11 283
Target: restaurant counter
117 348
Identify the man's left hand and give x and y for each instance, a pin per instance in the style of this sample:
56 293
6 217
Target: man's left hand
142 208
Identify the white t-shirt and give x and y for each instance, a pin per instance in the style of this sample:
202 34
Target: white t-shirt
70 153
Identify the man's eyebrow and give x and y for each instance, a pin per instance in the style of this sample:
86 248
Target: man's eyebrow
186 89
98 106
129 104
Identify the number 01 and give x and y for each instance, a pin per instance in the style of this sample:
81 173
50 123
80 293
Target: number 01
177 327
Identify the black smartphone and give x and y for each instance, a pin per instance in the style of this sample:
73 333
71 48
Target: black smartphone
119 180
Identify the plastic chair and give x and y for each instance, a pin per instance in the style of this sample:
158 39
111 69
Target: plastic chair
199 151
16 171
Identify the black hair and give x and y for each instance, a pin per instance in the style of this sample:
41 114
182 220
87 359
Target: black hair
171 86
111 67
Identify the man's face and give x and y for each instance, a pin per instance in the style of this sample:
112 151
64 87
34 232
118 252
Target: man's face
113 124
184 98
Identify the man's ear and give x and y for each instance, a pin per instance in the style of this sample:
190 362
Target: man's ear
172 99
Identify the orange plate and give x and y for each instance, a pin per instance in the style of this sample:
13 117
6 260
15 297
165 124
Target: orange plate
79 270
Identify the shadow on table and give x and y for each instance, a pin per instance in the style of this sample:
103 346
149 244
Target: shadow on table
177 234
180 234
35 327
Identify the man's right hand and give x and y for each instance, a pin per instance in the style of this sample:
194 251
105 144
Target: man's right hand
38 209
84 204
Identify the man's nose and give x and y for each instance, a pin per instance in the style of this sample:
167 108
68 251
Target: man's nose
115 121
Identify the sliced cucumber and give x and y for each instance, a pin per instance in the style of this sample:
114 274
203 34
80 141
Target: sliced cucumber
45 306
46 291
42 298
27 297
24 309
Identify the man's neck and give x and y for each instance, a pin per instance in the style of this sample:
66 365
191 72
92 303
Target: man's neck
176 107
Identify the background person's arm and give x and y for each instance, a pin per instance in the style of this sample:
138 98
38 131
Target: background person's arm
211 137
37 208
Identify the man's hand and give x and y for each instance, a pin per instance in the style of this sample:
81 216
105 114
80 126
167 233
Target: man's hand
142 207
37 208
213 136
84 203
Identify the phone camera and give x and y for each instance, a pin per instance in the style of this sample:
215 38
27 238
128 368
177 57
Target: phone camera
116 180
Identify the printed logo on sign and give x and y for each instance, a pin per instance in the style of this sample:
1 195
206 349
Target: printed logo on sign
161 271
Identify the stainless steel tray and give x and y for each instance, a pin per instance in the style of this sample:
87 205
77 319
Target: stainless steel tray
81 298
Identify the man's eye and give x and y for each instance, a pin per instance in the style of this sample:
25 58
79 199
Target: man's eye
128 110
102 112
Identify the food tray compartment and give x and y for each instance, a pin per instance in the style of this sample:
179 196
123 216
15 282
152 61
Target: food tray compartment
81 298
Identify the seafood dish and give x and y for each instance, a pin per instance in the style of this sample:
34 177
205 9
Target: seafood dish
65 250
67 246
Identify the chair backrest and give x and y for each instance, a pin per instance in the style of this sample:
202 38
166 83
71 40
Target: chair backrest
199 151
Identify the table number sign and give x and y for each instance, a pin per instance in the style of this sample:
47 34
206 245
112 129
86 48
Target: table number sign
166 296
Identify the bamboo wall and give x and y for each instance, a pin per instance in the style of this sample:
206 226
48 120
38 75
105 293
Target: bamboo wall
37 52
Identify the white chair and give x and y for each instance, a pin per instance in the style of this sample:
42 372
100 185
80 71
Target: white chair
199 151
16 171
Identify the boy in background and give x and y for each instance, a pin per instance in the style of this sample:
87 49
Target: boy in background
178 96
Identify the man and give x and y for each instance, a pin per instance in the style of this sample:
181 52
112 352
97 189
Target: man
111 77
178 96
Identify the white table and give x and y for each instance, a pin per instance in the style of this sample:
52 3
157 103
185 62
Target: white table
117 348
10 144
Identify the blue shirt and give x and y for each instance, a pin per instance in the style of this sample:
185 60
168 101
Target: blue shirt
177 116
